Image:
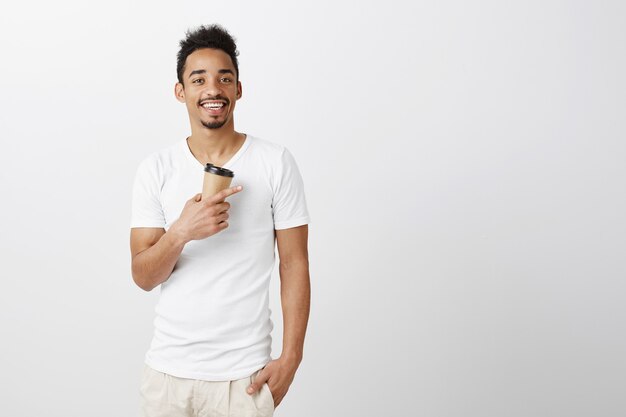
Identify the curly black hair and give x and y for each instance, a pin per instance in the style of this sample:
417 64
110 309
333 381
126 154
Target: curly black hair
214 37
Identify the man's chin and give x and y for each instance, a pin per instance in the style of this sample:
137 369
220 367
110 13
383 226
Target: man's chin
213 125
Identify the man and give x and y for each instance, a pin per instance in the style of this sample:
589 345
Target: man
210 354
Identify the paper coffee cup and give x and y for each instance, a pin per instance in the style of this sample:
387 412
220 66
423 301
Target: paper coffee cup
216 179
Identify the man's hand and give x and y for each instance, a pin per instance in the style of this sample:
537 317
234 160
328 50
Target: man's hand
203 218
279 375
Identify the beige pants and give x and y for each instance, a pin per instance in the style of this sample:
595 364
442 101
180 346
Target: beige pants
164 395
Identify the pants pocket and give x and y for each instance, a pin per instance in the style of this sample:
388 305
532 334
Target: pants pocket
269 395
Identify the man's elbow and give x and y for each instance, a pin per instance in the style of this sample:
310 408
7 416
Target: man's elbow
295 262
143 285
141 281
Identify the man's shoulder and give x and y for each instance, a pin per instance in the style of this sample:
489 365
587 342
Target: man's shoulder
261 145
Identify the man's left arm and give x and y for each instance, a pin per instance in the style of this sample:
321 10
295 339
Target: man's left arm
295 293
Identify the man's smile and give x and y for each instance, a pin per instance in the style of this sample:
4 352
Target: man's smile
214 107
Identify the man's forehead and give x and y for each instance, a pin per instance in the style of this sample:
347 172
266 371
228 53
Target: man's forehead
208 59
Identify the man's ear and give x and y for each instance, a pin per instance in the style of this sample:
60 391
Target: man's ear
239 90
179 92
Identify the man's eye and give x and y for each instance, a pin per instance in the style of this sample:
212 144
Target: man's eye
225 80
198 81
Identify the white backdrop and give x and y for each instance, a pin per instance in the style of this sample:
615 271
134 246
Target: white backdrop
464 168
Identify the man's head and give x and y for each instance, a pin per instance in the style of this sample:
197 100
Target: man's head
208 77
214 37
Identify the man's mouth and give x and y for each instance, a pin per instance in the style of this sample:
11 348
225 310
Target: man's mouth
213 106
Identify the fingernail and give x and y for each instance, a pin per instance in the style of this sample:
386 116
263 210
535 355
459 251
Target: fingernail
250 390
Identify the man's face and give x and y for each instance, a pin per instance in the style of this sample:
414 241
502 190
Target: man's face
209 88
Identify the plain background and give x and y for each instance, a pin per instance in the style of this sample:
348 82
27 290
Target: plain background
464 168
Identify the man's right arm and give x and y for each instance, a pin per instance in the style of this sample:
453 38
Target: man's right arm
154 255
155 252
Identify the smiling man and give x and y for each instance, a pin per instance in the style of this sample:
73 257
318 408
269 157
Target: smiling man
212 258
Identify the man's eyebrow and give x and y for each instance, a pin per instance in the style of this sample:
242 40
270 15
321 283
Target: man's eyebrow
201 71
195 72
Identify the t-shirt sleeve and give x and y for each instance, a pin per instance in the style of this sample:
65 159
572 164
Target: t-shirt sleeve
289 204
147 210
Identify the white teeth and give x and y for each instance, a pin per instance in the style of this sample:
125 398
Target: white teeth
213 105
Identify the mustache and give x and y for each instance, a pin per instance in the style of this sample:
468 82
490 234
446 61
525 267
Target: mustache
217 97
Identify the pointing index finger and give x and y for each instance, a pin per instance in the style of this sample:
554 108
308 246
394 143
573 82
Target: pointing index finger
222 195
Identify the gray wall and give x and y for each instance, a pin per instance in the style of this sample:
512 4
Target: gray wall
464 167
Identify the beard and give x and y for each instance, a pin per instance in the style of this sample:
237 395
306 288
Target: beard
213 125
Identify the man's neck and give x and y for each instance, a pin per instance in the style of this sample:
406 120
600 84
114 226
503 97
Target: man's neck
214 145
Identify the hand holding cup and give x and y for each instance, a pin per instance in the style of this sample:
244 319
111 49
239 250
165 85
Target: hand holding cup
204 217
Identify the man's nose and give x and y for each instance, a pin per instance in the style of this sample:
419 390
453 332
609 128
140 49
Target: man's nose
212 87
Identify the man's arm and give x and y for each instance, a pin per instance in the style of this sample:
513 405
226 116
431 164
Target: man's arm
154 255
155 252
295 289
295 292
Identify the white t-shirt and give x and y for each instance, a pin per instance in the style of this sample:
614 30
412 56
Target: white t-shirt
213 318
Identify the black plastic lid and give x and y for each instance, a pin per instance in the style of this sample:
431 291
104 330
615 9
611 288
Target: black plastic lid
223 172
